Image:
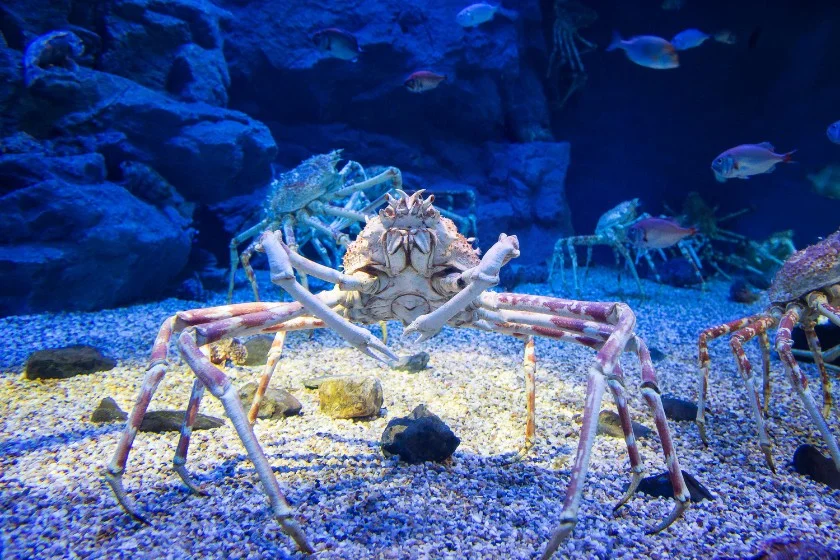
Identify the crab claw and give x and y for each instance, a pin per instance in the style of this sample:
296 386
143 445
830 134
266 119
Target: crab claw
420 329
364 341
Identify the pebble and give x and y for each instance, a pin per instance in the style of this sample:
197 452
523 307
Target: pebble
352 396
68 361
420 436
275 403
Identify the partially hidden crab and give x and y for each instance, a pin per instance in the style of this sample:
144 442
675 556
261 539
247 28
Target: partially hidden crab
408 264
806 288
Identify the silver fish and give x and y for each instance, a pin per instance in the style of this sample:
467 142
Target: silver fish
338 43
746 160
689 39
658 233
833 132
476 14
647 51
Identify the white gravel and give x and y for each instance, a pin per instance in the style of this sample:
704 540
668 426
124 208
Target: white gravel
354 503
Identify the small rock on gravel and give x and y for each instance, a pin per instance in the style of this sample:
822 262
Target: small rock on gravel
258 348
155 420
351 396
659 486
808 461
679 410
276 403
609 424
420 436
411 364
69 361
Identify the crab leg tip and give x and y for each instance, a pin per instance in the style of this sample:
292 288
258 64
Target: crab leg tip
675 514
563 531
115 482
631 490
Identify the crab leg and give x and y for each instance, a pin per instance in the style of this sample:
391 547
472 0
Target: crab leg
816 351
557 259
234 255
761 325
764 342
282 274
703 352
392 173
784 343
221 387
180 460
478 278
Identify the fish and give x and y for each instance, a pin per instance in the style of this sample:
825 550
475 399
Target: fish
647 51
658 233
689 39
826 182
671 5
481 12
833 132
338 43
746 160
424 80
725 36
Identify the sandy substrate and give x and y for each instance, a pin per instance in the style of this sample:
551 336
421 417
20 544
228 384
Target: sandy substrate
354 503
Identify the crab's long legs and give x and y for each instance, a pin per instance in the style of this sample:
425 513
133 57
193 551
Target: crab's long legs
529 365
154 374
221 387
703 357
784 343
741 336
234 255
390 174
764 343
180 460
637 470
816 351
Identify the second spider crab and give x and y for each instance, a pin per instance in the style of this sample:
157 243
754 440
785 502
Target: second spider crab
408 264
806 288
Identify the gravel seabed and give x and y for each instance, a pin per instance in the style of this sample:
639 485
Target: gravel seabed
353 502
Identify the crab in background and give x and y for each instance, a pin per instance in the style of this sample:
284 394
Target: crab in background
301 200
409 264
612 230
805 289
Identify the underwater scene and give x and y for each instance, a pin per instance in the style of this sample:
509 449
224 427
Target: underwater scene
369 279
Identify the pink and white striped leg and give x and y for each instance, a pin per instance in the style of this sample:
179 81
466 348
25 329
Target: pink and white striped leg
816 351
741 336
703 357
784 344
180 460
221 387
764 343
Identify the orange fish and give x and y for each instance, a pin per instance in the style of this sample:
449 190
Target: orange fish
647 51
423 80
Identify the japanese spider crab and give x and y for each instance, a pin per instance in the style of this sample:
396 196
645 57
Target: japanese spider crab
408 264
612 230
806 288
299 200
569 18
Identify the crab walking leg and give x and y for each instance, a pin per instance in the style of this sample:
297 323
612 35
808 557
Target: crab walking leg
603 367
816 351
637 470
249 270
692 258
703 357
180 460
570 245
282 274
557 259
234 255
390 174
478 278
629 259
784 343
652 266
764 343
745 369
221 387
652 396
529 366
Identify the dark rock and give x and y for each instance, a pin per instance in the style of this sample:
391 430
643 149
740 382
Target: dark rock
83 246
609 424
514 274
790 549
350 396
413 363
199 74
656 354
148 185
679 410
158 421
108 411
678 272
61 363
258 347
659 486
276 403
191 289
741 292
49 65
808 461
420 436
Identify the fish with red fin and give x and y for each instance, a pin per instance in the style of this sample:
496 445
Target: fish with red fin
741 162
423 80
658 233
647 50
